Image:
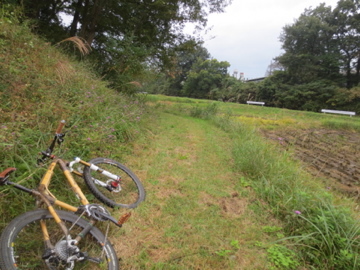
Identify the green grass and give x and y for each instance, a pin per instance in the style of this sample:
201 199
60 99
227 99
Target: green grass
218 195
320 226
195 214
260 116
182 224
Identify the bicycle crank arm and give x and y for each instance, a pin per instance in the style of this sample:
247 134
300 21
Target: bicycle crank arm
99 213
105 216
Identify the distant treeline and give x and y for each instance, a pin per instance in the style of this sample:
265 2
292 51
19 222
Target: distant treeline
320 66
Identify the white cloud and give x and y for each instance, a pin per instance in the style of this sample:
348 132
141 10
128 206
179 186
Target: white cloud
247 34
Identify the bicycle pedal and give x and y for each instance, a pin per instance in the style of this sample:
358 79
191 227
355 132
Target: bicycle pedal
124 218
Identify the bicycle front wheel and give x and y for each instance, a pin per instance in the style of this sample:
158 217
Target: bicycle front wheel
22 244
126 192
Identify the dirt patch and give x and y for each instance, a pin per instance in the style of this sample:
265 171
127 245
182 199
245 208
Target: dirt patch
333 154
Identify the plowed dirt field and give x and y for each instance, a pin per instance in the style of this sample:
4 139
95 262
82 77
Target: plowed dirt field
332 154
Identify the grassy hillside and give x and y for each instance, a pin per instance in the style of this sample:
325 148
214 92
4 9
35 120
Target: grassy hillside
39 86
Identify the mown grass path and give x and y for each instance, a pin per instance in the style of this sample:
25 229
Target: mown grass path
197 215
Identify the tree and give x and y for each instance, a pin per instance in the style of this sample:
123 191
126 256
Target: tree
205 77
311 52
185 57
347 20
274 66
230 90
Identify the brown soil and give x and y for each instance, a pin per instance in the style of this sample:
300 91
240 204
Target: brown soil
330 154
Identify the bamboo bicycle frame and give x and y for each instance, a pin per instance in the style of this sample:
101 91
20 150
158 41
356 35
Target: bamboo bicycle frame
49 199
44 185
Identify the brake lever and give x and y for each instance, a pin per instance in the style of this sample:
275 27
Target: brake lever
60 137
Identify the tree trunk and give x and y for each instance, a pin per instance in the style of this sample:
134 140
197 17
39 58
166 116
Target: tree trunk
91 18
357 78
73 27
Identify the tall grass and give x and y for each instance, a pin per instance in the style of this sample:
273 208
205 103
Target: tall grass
326 234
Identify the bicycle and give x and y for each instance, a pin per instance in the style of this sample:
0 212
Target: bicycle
56 239
46 238
110 181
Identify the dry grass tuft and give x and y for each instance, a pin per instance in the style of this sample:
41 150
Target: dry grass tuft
135 83
80 43
64 71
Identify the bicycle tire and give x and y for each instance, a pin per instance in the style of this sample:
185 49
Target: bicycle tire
132 192
22 243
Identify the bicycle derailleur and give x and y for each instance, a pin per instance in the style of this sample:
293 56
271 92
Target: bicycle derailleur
64 254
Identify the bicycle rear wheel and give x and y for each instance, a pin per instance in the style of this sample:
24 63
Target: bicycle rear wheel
22 244
128 192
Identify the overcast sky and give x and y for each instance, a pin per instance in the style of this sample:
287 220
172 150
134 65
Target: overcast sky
247 34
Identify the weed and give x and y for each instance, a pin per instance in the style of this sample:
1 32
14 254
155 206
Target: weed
244 182
333 236
341 124
224 252
207 112
282 257
234 244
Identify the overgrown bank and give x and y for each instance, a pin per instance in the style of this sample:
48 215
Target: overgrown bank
39 86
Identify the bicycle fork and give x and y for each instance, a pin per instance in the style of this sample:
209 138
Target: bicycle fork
113 184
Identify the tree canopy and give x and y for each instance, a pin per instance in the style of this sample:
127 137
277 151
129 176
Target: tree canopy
324 44
205 77
126 35
156 25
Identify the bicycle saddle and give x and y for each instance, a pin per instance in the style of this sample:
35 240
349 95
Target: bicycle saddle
6 172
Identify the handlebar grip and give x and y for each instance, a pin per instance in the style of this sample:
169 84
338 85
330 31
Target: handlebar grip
60 127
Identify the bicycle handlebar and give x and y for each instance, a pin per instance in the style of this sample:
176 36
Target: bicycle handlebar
59 137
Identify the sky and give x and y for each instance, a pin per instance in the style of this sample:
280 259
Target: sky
247 34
